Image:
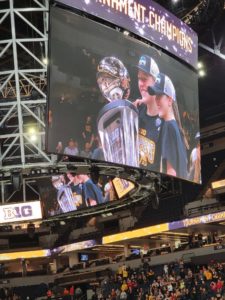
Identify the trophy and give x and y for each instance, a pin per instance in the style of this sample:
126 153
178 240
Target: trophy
118 120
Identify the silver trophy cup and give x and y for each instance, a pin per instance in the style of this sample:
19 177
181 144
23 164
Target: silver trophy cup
118 120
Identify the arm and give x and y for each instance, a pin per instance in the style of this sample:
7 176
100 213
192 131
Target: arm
92 202
92 139
170 170
138 102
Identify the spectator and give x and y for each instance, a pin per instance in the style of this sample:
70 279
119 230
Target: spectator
78 292
124 286
200 239
123 295
87 151
87 135
165 268
214 237
94 296
98 151
72 292
49 294
72 148
113 294
89 120
208 274
66 294
191 240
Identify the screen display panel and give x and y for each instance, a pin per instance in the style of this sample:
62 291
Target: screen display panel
115 99
67 193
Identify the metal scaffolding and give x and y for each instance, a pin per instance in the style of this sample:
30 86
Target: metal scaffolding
23 85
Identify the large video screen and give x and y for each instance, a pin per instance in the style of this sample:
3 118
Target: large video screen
65 193
115 99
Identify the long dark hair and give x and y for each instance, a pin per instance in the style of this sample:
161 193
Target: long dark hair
177 118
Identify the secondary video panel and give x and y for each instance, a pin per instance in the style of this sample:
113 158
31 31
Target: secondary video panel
112 98
66 193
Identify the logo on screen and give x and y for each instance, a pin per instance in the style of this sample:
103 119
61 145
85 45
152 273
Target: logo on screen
158 80
142 61
17 212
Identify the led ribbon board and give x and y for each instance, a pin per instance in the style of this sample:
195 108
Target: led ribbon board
148 20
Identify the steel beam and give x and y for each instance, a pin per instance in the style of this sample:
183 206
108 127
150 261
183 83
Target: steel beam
16 97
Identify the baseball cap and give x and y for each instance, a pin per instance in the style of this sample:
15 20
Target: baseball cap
163 86
148 65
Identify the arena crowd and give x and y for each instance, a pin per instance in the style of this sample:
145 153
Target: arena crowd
175 281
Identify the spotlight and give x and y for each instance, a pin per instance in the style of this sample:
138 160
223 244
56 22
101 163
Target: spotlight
54 171
45 61
32 134
126 32
201 73
44 171
31 130
33 172
33 138
200 65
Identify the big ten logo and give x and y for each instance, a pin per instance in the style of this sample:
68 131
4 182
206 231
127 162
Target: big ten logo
17 212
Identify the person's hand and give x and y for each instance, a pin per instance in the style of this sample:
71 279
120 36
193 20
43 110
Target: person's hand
92 202
138 102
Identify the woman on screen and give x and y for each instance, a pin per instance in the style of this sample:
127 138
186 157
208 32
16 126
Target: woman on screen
173 142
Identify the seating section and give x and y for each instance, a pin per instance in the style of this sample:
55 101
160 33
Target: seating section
170 282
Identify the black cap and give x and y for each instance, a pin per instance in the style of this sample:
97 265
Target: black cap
163 86
148 65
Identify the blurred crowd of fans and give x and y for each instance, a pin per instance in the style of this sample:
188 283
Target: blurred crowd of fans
175 281
89 145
